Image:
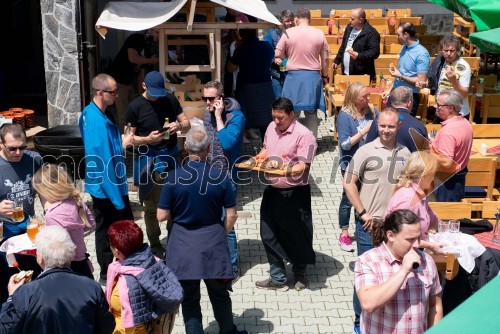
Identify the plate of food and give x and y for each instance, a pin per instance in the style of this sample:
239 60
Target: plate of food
266 165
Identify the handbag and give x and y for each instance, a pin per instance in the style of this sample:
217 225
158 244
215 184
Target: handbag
164 324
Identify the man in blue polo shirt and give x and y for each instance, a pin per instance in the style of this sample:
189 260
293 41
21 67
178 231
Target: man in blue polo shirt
412 132
193 198
413 63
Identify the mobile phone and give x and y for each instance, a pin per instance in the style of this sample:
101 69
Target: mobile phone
164 129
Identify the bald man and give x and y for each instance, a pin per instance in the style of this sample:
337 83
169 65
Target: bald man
360 46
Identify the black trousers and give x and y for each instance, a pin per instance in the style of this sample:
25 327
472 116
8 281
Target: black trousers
219 298
105 214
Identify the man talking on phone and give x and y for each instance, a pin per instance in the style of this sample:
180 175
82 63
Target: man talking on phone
224 122
153 152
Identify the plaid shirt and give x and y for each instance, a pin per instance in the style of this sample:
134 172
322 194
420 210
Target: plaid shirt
407 311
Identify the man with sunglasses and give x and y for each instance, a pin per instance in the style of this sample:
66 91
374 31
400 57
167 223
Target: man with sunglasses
224 122
146 116
451 147
17 167
105 171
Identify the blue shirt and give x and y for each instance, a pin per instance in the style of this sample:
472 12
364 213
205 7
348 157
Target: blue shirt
347 126
403 136
413 59
196 193
105 171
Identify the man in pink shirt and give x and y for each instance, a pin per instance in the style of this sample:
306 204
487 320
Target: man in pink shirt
286 227
397 284
305 46
451 147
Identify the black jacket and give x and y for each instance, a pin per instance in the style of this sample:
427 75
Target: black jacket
57 301
367 44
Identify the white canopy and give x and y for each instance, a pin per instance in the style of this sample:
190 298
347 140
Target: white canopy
136 16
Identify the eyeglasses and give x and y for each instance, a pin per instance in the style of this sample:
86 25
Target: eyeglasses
15 148
208 98
441 105
112 92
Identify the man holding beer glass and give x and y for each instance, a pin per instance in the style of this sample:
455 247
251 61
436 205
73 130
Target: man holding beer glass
17 166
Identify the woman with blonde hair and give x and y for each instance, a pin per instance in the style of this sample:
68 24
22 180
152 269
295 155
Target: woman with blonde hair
64 206
411 194
353 124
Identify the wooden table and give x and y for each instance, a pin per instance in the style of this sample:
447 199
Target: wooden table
490 142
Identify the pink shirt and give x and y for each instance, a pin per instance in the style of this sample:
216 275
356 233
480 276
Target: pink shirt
65 214
402 200
303 47
454 140
296 144
407 311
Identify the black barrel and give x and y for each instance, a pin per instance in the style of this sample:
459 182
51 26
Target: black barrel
62 145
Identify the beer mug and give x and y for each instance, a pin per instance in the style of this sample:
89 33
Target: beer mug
17 211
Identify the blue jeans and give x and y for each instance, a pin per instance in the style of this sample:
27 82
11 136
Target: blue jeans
344 211
278 85
364 243
232 243
277 270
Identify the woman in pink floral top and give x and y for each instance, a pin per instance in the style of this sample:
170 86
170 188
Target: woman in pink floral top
64 206
411 194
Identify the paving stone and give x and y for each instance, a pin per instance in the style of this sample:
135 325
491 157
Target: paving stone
327 307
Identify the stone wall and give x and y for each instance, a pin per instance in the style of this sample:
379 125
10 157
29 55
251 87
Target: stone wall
438 24
60 51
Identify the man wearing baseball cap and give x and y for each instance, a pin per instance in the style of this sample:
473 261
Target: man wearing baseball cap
155 146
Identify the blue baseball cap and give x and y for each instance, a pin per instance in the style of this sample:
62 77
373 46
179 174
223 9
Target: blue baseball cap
156 84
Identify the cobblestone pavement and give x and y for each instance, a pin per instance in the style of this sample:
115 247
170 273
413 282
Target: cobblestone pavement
326 307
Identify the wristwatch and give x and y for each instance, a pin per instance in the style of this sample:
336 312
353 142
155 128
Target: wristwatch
362 213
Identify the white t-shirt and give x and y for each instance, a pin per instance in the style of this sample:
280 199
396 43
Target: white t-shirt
347 57
462 69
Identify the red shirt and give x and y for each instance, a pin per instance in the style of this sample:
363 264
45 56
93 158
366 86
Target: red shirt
407 311
296 144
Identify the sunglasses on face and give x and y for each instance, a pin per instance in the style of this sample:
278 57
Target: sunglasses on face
112 92
208 98
15 148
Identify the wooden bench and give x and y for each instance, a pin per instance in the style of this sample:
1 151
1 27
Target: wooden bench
485 130
451 210
481 174
490 107
446 265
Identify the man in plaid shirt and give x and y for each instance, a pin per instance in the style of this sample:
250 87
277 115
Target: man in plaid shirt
396 295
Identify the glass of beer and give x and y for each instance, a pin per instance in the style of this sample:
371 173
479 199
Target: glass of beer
39 220
17 211
1 230
32 230
342 86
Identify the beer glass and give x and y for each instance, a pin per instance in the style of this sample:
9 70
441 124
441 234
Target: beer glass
32 230
17 211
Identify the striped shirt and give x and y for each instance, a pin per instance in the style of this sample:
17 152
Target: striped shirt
407 311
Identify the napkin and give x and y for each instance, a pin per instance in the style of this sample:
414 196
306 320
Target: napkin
466 250
494 150
17 244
